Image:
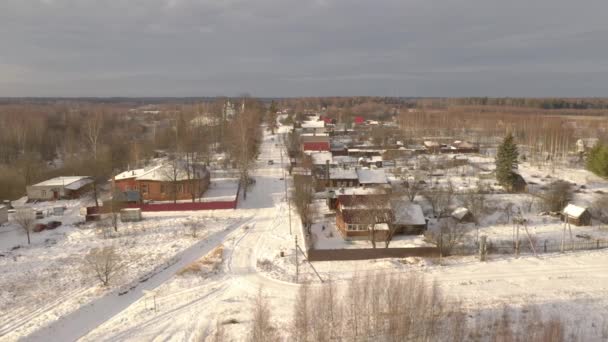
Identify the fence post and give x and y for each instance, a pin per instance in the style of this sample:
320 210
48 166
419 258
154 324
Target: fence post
597 242
545 246
482 248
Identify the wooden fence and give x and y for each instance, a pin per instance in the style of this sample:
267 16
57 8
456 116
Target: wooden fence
370 253
539 248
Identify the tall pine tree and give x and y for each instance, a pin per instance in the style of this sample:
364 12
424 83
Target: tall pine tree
506 162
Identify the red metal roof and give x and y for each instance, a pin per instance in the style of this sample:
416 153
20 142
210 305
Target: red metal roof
359 120
316 146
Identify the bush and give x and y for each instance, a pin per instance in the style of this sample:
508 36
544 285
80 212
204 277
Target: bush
597 160
556 196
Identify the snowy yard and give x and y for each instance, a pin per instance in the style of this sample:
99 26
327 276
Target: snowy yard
49 279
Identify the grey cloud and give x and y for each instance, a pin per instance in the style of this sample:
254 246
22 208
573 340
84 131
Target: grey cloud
293 48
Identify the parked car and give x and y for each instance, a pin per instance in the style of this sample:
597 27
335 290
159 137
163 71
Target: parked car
271 162
53 224
39 227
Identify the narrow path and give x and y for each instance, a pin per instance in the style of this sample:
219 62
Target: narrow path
78 323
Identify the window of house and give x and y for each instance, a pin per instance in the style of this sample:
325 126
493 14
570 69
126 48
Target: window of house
163 188
144 188
43 193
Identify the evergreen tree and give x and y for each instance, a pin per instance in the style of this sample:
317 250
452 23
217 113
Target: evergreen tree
272 117
506 162
597 161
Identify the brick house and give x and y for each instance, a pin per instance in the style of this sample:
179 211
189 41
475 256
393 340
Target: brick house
165 182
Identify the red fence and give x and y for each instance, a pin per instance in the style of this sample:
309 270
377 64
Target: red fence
187 206
217 205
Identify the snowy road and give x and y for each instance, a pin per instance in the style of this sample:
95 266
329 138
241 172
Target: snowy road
193 311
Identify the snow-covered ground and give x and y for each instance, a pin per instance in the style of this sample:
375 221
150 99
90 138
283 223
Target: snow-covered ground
259 253
48 280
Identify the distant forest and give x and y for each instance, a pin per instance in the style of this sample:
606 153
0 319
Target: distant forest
44 137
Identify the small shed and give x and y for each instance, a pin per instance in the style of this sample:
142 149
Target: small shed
578 216
462 215
3 214
130 215
408 217
519 184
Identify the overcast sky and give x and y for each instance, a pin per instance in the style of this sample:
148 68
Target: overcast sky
303 48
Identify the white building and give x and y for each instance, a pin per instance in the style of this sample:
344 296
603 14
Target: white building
59 187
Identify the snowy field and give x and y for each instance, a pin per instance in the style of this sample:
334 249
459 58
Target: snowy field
49 279
204 283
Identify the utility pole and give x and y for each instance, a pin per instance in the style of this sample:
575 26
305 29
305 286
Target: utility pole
296 254
286 195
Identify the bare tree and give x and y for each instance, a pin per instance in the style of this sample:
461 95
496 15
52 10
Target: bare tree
378 212
439 199
244 135
24 217
173 173
413 186
114 213
193 227
600 208
104 263
302 315
302 198
92 131
262 329
557 196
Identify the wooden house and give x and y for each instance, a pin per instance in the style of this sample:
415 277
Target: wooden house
578 216
356 214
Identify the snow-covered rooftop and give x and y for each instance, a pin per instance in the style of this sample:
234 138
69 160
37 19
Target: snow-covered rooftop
407 213
159 173
341 173
313 124
64 181
132 173
460 213
367 176
319 158
359 191
573 210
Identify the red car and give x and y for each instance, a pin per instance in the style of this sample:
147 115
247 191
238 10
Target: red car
39 227
53 224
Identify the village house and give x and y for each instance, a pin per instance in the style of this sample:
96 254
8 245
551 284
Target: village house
59 187
343 177
578 216
315 142
313 126
357 214
164 182
459 146
372 177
